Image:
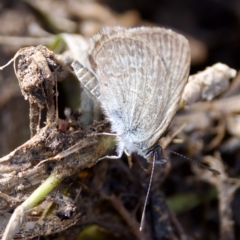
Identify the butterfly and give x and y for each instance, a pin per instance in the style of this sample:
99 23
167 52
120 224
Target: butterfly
138 75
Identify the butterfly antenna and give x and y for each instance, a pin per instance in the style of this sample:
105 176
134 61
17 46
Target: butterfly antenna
197 162
147 196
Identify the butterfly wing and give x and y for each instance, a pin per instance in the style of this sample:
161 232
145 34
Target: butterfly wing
87 79
142 73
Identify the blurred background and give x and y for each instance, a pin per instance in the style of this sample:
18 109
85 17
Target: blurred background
213 30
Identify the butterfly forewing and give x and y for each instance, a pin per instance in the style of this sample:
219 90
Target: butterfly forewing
142 73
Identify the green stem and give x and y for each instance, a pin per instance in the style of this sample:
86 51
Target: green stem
47 186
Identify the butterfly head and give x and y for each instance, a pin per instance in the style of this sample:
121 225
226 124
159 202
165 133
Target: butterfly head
155 152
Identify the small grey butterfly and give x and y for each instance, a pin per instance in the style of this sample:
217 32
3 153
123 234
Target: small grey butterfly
138 75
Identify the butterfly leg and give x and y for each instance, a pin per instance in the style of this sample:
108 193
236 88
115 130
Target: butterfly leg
119 151
129 157
100 134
